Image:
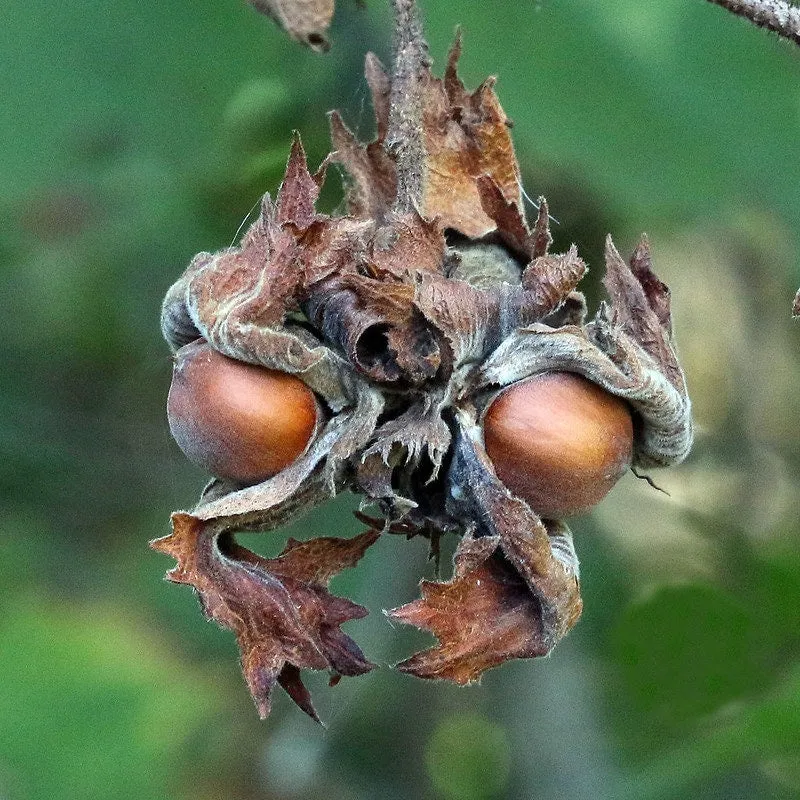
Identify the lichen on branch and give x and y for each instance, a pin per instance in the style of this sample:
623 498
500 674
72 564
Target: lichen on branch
775 15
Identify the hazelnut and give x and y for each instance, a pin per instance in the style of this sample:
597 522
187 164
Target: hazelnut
236 420
559 441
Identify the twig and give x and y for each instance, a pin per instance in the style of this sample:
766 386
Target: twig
404 139
775 15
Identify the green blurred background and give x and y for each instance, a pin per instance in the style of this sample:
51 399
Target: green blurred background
134 135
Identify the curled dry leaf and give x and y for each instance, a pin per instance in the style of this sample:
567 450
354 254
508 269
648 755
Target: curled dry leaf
407 316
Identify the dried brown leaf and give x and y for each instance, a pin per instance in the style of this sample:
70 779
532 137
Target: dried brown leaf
261 275
656 292
479 499
483 616
419 431
640 305
506 214
299 190
542 239
408 246
361 292
435 142
377 326
549 279
465 137
280 610
373 185
467 318
572 312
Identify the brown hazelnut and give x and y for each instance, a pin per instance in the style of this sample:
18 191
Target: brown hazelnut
559 441
236 420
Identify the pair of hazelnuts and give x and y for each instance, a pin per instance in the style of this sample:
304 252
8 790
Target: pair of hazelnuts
557 440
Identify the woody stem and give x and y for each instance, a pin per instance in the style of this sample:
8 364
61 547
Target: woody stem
404 136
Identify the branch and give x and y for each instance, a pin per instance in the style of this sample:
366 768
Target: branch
775 15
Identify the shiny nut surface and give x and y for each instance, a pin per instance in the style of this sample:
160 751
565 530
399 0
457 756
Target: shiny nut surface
559 441
236 420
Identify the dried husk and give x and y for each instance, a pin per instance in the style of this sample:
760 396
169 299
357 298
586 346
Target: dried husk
406 316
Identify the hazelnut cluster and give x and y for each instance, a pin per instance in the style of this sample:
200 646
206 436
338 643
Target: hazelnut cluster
427 351
556 440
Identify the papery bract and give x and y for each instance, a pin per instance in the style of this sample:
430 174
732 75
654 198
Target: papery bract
406 316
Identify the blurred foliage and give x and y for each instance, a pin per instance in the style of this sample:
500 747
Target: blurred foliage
468 758
138 134
80 714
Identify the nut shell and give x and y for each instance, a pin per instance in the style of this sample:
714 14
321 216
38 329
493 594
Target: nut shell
559 441
236 420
